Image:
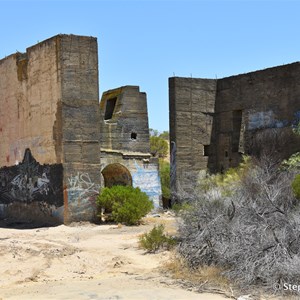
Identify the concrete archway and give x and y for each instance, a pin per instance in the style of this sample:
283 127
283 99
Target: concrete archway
116 174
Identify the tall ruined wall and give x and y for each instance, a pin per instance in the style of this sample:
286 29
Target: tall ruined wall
125 144
192 105
80 125
250 103
31 172
49 99
214 122
124 120
29 95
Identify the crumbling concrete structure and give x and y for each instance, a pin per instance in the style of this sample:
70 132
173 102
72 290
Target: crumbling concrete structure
50 122
214 122
125 147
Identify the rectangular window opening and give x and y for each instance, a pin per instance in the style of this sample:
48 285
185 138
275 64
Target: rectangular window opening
110 107
206 150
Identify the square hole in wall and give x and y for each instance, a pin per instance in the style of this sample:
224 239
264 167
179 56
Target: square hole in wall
133 135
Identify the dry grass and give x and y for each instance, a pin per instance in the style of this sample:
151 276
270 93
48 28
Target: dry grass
170 224
209 276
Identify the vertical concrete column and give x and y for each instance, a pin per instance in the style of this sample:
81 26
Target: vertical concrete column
192 106
80 125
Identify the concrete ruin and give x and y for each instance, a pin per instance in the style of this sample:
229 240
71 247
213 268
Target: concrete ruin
125 147
214 122
50 122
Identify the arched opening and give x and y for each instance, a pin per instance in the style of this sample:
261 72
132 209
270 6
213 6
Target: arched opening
116 174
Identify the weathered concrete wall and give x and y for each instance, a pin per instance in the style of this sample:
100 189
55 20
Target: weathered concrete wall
31 191
124 120
132 169
29 95
250 103
80 125
192 106
214 122
125 144
50 100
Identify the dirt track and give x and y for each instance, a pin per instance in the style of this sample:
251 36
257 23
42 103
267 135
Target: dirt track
84 262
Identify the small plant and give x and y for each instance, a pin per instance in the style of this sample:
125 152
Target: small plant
296 186
293 162
156 239
126 204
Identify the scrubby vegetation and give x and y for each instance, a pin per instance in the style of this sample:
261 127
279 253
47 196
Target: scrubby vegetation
164 172
296 186
251 231
158 146
125 204
156 239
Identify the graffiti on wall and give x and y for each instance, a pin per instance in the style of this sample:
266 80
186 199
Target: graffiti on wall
29 181
264 119
82 192
148 180
267 119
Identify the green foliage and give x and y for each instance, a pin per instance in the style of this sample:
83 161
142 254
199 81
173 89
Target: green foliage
158 146
164 172
156 239
165 135
153 132
296 186
292 163
125 203
296 129
227 180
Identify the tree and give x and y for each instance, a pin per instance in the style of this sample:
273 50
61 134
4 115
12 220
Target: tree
158 146
153 132
165 135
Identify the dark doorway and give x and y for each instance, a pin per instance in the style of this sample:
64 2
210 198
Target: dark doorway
116 174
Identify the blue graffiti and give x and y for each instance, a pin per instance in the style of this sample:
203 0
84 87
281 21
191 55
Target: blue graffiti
265 119
148 181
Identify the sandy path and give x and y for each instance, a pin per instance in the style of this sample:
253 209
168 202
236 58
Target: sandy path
83 262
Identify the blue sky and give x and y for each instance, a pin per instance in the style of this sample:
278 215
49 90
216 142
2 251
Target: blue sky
146 42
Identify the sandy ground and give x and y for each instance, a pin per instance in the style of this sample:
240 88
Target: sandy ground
84 261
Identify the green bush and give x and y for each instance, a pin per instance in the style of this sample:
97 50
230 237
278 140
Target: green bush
164 172
126 204
227 181
156 239
296 186
293 162
158 146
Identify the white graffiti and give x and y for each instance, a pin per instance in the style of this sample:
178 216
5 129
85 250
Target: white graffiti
83 182
31 185
82 192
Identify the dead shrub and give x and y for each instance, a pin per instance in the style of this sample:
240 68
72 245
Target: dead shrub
253 233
